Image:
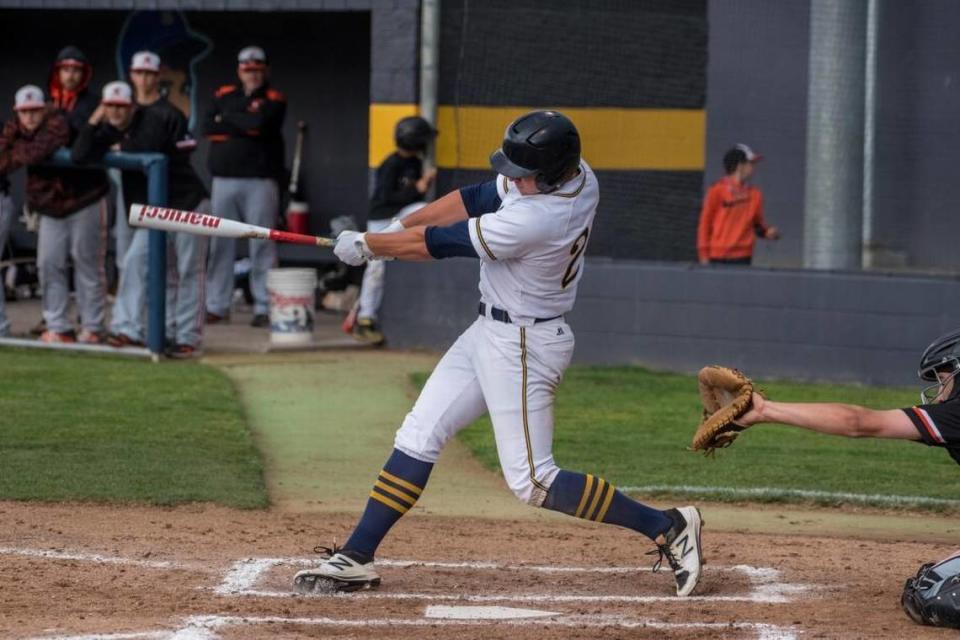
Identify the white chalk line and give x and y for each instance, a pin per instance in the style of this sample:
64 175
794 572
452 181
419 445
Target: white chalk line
51 554
245 573
529 598
135 635
765 584
242 578
746 493
206 627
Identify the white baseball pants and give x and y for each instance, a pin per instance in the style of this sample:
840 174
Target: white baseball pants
510 372
371 289
185 283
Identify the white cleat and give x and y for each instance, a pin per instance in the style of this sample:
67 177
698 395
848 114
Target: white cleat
339 572
682 549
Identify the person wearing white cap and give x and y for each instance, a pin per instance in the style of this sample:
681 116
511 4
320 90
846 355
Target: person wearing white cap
145 78
121 124
244 126
29 105
732 214
72 221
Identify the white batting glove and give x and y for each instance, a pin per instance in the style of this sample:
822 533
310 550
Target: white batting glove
352 248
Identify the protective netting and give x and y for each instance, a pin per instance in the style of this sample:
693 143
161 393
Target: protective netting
631 73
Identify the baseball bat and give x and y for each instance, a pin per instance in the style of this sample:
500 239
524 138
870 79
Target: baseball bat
164 219
351 320
297 153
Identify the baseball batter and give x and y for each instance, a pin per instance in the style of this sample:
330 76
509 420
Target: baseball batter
529 228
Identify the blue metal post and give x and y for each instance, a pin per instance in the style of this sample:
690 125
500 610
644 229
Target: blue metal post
154 165
157 266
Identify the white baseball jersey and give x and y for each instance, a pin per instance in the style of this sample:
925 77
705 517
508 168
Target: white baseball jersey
531 249
531 252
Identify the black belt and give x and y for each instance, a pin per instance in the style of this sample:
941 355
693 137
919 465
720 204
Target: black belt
502 316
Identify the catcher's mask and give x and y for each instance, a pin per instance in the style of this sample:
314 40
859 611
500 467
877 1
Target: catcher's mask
932 597
942 356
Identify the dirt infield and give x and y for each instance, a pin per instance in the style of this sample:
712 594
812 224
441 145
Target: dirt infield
204 572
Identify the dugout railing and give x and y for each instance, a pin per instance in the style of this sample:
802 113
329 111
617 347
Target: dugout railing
154 166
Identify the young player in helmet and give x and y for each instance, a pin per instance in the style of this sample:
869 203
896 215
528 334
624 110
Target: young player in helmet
401 189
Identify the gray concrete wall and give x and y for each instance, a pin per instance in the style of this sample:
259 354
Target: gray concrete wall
918 132
850 327
757 94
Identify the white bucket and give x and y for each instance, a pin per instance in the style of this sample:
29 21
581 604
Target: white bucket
292 294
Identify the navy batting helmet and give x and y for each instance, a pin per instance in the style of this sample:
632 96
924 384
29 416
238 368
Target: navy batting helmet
541 143
414 134
932 597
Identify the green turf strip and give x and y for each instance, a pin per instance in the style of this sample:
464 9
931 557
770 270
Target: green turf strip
633 426
80 427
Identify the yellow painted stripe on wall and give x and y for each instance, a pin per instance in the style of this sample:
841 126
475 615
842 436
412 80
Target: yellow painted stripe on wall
613 139
383 117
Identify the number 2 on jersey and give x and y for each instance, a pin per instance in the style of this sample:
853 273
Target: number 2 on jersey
576 250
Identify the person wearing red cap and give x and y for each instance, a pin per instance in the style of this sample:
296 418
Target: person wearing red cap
72 218
732 214
244 126
123 125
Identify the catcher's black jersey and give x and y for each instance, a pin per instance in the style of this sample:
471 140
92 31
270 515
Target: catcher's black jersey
939 425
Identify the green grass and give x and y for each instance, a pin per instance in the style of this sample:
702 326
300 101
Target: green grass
633 427
114 430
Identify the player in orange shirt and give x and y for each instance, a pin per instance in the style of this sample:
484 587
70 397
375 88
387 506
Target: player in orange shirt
732 213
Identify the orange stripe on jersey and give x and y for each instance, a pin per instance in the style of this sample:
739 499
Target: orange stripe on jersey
225 89
928 424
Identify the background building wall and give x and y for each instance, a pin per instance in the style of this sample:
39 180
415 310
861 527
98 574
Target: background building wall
757 93
322 61
918 133
630 73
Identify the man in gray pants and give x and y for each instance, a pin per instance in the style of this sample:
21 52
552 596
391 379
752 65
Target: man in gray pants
73 217
244 127
6 218
157 127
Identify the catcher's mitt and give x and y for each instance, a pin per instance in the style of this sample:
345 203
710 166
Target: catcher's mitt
726 394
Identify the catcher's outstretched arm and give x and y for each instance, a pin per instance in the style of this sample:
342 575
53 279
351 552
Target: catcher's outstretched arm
850 420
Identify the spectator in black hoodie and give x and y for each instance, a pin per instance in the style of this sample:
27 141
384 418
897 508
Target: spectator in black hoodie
73 215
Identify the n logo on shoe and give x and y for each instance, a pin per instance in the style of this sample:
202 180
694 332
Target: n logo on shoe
340 564
685 547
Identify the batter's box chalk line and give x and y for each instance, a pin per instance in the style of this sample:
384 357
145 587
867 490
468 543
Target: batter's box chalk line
80 556
766 584
243 576
208 627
